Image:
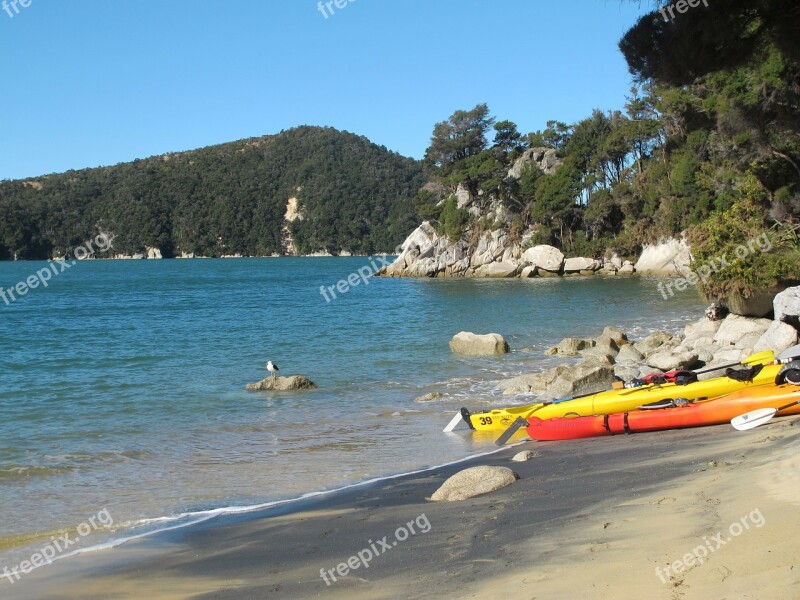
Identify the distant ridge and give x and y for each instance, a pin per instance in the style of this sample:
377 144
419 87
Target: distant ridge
302 191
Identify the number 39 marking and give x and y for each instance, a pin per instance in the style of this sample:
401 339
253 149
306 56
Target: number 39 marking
486 420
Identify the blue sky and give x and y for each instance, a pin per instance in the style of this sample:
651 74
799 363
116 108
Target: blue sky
97 82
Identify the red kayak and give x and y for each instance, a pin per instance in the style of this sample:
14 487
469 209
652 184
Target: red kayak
697 414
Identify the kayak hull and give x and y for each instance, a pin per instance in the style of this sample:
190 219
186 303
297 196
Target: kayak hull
614 401
698 414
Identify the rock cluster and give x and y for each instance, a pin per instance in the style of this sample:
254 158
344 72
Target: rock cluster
425 253
708 344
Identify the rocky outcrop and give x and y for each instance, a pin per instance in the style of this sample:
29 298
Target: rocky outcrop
545 159
671 257
469 344
281 384
474 481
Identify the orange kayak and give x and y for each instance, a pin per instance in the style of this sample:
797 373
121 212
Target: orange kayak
697 414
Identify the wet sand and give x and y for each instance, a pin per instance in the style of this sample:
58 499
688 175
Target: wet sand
588 519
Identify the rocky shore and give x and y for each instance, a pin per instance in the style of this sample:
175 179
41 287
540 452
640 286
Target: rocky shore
705 344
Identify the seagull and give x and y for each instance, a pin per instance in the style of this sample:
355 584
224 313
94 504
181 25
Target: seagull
272 368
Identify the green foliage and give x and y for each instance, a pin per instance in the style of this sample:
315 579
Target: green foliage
452 219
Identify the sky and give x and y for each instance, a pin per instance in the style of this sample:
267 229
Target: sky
97 82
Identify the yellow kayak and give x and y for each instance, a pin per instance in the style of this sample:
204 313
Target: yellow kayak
613 401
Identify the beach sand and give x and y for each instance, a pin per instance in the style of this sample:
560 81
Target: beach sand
588 519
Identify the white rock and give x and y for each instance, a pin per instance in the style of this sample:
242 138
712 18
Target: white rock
629 353
535 383
574 265
667 361
528 272
778 337
525 456
544 257
474 482
670 257
787 306
569 347
470 344
498 270
734 328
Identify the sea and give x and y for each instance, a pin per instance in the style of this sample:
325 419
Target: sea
122 383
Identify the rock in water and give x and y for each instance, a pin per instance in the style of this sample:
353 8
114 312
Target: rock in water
281 384
470 344
429 397
474 482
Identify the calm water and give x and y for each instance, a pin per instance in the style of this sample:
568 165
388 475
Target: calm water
122 383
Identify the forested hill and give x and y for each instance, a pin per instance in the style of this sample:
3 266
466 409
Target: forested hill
351 195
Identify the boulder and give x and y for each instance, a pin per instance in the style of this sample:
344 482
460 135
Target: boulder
736 327
525 456
616 334
474 482
627 268
627 371
528 272
758 304
670 257
652 342
569 347
545 257
576 265
667 361
778 337
704 328
592 359
281 384
607 345
535 383
787 306
581 380
471 344
628 353
498 270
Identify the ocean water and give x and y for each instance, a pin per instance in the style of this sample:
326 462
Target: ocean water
122 382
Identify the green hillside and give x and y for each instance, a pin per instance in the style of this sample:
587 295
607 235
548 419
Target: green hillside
227 199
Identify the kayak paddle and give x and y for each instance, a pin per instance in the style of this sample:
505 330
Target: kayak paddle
518 422
756 418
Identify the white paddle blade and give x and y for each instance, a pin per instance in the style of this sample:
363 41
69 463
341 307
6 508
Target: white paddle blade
792 352
753 419
453 423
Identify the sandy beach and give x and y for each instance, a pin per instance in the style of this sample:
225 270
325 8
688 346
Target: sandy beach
590 519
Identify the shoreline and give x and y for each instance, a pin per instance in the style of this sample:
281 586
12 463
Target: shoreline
582 518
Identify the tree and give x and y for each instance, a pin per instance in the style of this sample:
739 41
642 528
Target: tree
461 136
508 139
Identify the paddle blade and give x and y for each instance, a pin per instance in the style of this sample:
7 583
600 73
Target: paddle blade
518 422
753 419
792 352
760 358
453 423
